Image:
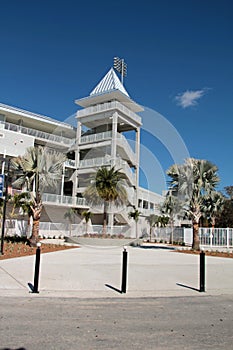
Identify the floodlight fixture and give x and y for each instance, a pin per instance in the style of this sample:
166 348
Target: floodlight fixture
120 66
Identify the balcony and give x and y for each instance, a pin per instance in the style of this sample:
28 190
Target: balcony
107 106
107 135
96 137
100 161
55 199
38 134
70 163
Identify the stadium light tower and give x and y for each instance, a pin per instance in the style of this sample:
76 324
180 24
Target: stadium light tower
120 66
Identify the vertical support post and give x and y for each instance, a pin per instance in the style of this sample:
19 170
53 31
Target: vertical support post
202 271
124 271
4 208
114 138
137 152
211 236
122 70
37 269
227 237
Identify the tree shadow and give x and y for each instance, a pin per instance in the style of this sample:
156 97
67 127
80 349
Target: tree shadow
188 287
157 247
12 349
113 288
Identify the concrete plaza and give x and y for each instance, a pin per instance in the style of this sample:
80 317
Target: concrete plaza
79 305
95 272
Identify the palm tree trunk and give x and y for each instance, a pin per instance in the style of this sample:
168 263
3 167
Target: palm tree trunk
35 233
196 241
104 232
35 226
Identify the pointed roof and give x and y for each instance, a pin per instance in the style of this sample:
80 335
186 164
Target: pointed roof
109 83
108 89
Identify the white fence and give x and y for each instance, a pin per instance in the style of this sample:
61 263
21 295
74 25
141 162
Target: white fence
209 237
216 237
51 229
167 234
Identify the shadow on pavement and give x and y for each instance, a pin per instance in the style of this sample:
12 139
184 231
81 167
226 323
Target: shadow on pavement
12 349
188 287
31 288
156 247
111 287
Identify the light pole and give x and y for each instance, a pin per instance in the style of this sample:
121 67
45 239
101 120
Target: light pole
5 179
120 66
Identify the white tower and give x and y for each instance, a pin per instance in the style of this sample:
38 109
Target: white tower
107 116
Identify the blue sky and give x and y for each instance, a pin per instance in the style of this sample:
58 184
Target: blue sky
179 56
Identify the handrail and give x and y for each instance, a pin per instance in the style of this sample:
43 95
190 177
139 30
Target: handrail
96 137
99 161
38 133
102 107
68 200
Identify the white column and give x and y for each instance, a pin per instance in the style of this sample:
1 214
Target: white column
77 157
62 180
114 138
113 156
137 162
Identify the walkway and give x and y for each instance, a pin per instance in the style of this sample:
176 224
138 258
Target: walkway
95 272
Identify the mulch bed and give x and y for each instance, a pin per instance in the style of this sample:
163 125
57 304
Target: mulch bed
15 250
208 253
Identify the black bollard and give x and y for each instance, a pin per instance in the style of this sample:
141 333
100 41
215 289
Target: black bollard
124 271
202 271
37 269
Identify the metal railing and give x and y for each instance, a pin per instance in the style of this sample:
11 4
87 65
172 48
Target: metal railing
94 162
104 107
216 237
122 141
96 137
70 163
209 238
38 134
106 135
100 161
64 200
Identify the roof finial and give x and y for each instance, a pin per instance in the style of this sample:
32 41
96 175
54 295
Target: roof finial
120 66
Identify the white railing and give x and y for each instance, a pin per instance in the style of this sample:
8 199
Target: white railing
106 135
122 164
124 143
67 200
95 230
38 134
96 137
70 163
104 107
94 162
216 237
100 161
209 238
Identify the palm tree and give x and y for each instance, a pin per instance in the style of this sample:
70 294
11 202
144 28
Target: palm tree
171 206
213 205
87 217
38 169
17 201
192 182
135 215
70 215
107 186
156 220
152 221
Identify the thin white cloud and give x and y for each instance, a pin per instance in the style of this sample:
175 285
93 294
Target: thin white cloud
189 98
